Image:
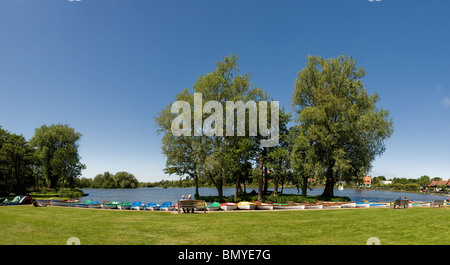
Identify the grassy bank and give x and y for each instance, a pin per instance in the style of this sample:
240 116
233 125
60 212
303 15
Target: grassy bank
54 225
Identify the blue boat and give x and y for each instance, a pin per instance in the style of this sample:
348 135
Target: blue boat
167 206
94 204
151 206
81 205
137 206
378 205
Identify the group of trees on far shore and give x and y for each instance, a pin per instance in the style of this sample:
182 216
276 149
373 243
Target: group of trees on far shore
120 180
405 184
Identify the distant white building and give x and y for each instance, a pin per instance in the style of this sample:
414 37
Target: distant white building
386 182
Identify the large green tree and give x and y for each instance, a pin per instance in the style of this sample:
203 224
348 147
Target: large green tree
57 151
203 147
424 181
340 120
16 163
304 161
184 154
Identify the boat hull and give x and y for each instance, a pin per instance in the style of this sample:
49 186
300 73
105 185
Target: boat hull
247 207
264 207
109 205
313 206
378 205
152 206
106 206
167 206
332 206
61 203
81 205
349 205
228 206
289 207
43 203
215 206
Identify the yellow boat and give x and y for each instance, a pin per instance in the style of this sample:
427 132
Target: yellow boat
244 205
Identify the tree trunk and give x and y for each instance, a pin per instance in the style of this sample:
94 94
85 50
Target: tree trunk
275 188
260 184
329 184
196 187
219 185
266 180
277 177
304 186
238 179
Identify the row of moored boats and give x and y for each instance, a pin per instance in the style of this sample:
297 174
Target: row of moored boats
215 206
227 206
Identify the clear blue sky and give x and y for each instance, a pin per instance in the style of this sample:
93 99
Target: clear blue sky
107 67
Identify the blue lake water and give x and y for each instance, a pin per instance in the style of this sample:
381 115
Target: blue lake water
160 195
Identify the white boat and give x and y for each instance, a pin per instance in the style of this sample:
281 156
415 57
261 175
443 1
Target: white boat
264 206
285 206
362 205
349 205
313 206
332 205
246 205
228 206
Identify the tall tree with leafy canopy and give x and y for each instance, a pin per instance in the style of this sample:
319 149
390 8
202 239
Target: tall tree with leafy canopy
339 117
206 149
184 154
57 151
16 163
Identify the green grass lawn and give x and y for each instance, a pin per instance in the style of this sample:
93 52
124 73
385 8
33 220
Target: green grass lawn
54 225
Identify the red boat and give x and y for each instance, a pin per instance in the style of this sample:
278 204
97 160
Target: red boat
228 206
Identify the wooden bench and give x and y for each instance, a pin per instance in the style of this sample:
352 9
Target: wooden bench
400 204
438 203
190 205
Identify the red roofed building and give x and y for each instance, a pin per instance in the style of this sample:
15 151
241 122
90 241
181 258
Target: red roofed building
436 184
366 182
